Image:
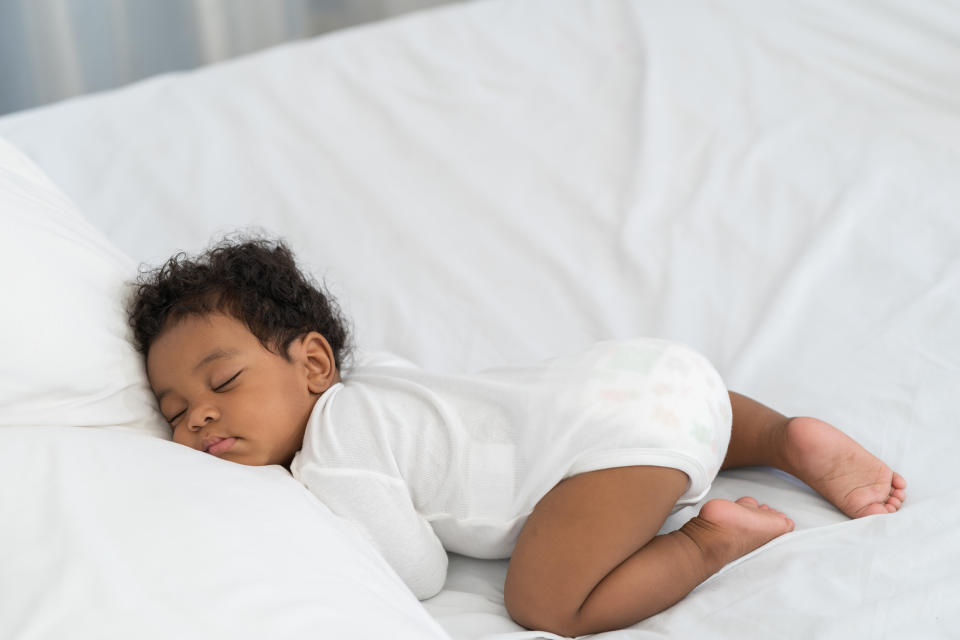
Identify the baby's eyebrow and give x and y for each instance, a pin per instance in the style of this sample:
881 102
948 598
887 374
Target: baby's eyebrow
216 354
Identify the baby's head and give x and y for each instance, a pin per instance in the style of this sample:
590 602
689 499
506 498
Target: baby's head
239 344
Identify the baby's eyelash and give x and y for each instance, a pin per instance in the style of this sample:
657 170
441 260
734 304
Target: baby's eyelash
234 377
229 381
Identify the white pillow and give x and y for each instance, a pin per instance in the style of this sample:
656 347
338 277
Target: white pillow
109 535
67 360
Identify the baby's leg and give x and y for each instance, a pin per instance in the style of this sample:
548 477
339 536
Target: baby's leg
588 558
832 463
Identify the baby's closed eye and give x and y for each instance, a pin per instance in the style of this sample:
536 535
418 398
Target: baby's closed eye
232 378
218 389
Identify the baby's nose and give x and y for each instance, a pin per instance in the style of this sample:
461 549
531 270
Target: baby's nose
202 418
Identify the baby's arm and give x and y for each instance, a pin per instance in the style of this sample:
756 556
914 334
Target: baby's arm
381 506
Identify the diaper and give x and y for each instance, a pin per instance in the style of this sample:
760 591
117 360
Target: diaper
653 402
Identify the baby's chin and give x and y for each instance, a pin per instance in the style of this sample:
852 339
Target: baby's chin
252 459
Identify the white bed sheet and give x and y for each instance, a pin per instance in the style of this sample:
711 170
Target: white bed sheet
772 182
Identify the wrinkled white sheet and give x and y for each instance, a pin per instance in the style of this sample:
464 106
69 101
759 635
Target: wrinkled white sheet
771 181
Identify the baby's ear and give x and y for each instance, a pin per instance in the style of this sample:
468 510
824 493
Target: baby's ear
317 358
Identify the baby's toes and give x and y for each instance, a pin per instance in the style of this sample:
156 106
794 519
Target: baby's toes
899 494
895 502
898 481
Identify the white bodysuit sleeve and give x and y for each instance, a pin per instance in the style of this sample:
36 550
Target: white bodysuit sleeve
382 508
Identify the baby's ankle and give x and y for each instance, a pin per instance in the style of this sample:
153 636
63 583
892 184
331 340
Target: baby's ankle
712 547
779 445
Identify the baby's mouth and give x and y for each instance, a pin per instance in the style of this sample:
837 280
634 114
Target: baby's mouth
219 445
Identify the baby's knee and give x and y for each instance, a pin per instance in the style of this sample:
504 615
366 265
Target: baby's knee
541 618
532 604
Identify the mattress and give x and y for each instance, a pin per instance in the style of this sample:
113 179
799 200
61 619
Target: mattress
771 182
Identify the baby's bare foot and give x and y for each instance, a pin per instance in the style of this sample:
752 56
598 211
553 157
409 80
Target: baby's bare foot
843 472
729 530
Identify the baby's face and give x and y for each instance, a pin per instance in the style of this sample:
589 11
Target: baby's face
222 392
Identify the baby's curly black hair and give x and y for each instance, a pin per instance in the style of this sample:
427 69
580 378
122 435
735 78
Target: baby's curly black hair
254 279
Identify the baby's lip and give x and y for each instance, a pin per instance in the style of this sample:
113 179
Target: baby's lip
209 442
221 446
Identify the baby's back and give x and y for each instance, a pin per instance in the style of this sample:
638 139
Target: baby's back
477 451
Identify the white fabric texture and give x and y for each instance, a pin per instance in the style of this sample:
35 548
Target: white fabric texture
419 459
114 536
67 357
772 182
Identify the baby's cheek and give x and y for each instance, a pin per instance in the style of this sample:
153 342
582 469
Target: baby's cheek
180 437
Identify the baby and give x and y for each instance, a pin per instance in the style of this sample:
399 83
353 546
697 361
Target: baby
569 467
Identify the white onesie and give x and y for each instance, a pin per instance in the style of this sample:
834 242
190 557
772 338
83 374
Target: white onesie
424 462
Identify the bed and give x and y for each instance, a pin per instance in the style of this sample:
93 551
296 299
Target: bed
774 183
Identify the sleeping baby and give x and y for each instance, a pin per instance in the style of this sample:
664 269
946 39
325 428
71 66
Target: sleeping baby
568 467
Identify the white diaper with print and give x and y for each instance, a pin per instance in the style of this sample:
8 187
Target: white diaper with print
646 402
